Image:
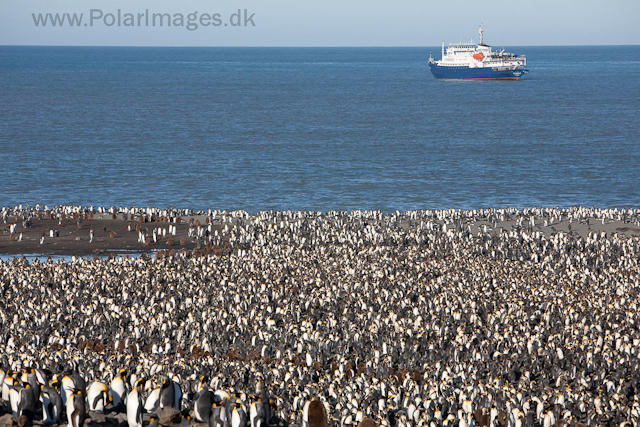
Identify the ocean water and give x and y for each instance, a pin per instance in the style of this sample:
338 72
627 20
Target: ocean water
315 129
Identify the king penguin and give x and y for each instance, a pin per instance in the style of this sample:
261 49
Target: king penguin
32 379
202 406
177 393
76 410
14 397
52 406
7 383
222 395
118 388
27 402
134 406
97 396
266 404
153 400
218 415
66 388
167 393
238 416
78 381
186 421
257 414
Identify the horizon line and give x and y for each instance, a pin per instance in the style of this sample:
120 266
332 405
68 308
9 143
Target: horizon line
305 47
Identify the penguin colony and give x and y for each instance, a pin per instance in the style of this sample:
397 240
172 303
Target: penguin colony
336 319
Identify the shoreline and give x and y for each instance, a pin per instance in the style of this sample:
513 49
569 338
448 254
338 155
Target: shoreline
113 234
71 235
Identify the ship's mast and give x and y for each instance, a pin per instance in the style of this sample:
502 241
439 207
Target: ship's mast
481 31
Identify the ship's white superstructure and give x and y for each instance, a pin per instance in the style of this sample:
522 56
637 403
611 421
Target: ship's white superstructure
468 60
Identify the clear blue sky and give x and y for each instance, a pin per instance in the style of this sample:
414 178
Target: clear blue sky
324 22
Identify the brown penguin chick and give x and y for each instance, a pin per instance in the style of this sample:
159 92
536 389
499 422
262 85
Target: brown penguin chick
482 417
367 422
317 414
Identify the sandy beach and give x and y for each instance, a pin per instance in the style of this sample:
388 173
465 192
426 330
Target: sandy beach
120 236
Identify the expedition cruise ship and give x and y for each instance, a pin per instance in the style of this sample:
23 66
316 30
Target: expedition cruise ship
469 61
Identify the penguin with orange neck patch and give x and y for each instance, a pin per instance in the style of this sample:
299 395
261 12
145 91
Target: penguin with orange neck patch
76 409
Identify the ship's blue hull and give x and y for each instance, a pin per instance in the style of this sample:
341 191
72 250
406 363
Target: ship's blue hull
463 72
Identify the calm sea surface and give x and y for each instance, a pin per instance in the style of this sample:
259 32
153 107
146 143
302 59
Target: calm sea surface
319 129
